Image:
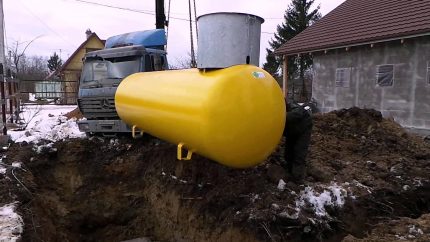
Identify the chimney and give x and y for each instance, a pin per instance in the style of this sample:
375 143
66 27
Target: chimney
88 33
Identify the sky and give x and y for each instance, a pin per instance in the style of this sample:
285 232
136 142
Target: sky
60 25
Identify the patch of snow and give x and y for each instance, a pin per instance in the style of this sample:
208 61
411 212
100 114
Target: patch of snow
2 171
16 164
281 185
333 196
418 182
114 142
11 224
275 206
288 215
413 230
358 184
307 229
46 123
254 197
47 147
32 97
400 237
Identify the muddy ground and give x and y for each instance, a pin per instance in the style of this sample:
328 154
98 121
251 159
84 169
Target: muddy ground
375 177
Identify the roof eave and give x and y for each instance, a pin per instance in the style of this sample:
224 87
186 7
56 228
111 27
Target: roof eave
345 45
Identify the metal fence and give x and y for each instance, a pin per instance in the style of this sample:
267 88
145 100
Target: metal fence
48 91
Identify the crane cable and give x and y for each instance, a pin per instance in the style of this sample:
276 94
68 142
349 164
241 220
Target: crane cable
195 19
168 23
193 57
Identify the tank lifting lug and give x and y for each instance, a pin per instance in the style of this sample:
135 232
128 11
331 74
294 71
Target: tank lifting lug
180 157
133 132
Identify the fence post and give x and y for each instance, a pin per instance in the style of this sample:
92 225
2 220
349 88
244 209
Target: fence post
9 86
3 100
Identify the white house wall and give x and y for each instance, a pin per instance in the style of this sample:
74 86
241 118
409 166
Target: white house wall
407 101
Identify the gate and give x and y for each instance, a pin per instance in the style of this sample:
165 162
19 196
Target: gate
49 92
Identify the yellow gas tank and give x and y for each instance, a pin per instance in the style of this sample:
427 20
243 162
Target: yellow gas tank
234 116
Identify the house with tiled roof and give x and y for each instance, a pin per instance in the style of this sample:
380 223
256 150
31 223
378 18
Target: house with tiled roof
70 71
371 54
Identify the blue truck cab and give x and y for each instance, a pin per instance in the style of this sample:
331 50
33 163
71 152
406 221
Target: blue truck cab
103 71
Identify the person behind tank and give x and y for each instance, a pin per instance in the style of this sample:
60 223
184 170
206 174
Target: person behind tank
297 133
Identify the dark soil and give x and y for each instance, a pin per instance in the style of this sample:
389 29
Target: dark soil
102 189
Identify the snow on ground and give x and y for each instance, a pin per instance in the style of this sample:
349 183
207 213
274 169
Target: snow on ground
11 224
46 122
317 199
332 196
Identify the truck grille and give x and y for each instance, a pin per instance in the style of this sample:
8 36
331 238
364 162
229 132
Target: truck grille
98 108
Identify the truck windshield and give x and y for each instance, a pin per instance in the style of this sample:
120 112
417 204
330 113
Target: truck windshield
97 70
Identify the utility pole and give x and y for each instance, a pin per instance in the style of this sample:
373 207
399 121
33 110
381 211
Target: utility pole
2 66
193 56
160 16
2 55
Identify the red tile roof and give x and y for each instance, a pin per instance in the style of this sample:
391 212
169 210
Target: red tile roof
357 22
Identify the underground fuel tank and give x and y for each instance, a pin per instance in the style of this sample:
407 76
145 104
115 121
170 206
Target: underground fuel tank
234 116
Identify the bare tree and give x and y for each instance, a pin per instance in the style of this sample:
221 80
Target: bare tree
33 67
183 62
17 53
30 113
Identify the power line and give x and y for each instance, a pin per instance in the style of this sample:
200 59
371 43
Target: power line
275 18
126 9
46 25
148 12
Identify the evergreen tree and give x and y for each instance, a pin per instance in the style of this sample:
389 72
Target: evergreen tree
297 18
54 62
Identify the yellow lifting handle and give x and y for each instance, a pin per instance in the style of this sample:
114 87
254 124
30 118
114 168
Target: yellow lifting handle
189 154
133 132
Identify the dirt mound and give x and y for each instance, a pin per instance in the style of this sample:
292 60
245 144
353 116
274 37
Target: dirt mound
363 170
75 113
400 229
355 139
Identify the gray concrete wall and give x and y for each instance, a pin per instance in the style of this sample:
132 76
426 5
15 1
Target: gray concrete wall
407 101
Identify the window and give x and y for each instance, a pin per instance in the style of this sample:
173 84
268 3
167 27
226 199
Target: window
154 63
343 77
385 75
428 72
115 68
148 63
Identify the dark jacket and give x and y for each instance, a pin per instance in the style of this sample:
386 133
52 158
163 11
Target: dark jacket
299 120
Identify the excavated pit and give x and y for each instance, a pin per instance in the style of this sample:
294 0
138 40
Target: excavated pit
103 189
